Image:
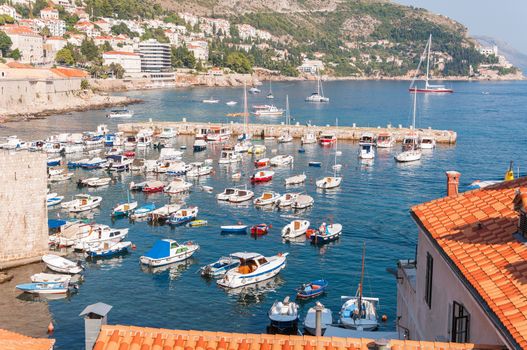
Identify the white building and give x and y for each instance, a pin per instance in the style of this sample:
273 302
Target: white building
200 49
173 36
104 25
10 11
246 31
27 42
130 61
488 50
88 28
189 18
311 66
49 13
57 27
51 46
155 56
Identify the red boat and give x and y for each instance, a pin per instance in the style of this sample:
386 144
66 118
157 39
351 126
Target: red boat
327 139
153 186
262 176
130 154
260 229
262 162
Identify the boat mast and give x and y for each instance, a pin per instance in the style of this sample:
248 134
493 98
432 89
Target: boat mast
287 116
413 117
245 110
428 60
336 147
359 299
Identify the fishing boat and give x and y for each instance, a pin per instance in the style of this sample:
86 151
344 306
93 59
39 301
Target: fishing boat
295 228
120 113
325 233
262 162
143 211
262 176
234 229
366 146
271 111
260 229
226 194
108 249
182 216
253 268
308 138
318 96
267 198
61 265
359 312
427 142
82 202
327 138
168 133
177 186
94 163
53 199
218 134
303 201
43 288
286 200
153 186
270 95
119 162
310 322
163 213
282 160
295 180
241 196
229 157
210 100
220 267
428 88
54 161
312 289
385 140
284 317
168 251
124 209
50 278
199 170
411 151
99 234
199 145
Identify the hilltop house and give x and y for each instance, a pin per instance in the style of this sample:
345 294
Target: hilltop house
28 42
468 282
311 66
10 11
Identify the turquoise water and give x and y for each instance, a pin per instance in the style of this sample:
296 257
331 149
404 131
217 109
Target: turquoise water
373 202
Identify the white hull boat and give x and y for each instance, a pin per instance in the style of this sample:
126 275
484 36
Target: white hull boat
295 180
100 234
267 198
50 278
286 200
241 196
84 203
59 264
178 186
282 160
329 182
295 228
168 251
408 156
303 201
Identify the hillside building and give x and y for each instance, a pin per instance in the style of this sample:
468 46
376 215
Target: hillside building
130 61
28 42
155 56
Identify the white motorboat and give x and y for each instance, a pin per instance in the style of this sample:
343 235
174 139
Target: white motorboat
241 196
170 154
286 200
329 182
271 111
267 198
99 182
211 100
427 142
303 201
366 146
226 194
168 133
318 96
164 212
385 140
50 278
83 202
200 170
100 234
220 267
124 209
59 264
229 156
309 138
408 156
168 251
257 149
218 134
53 199
282 160
231 103
184 215
120 113
199 145
253 268
411 151
254 90
327 138
326 319
60 177
295 180
284 316
295 228
177 186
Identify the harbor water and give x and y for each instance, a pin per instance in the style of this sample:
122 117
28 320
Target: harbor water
372 204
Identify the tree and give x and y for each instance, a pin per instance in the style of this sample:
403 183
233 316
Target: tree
5 43
15 54
238 62
45 32
89 49
182 57
122 28
65 56
156 33
38 6
107 47
117 70
6 19
85 84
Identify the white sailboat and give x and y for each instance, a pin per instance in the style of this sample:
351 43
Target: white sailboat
428 88
270 95
286 136
317 96
360 312
411 151
245 136
334 181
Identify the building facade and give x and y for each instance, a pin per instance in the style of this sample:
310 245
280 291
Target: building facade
28 42
130 61
155 56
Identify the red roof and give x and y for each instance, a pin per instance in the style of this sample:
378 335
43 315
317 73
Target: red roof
15 341
121 53
14 64
140 338
16 29
69 72
475 230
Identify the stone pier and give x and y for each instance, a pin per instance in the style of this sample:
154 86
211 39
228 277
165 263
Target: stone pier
351 133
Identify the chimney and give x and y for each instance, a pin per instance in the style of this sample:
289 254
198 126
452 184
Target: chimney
94 318
452 185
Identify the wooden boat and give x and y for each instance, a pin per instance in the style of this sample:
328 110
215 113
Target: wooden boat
143 211
303 201
282 160
310 323
183 216
82 202
124 209
253 268
260 229
43 288
262 176
59 264
153 186
267 198
262 162
137 186
220 267
326 233
107 249
312 289
168 251
295 180
359 312
50 278
286 200
295 228
284 317
233 229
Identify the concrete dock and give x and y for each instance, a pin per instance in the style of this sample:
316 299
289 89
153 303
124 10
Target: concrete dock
351 133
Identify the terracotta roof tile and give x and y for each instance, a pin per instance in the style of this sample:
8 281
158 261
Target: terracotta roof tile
15 341
475 229
69 72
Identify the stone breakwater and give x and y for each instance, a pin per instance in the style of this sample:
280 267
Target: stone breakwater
351 133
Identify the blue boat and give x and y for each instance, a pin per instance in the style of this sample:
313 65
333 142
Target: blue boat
54 161
182 216
301 150
234 229
312 289
106 249
109 140
143 211
219 268
315 164
44 288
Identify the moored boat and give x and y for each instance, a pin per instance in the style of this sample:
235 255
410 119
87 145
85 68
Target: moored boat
295 180
233 229
262 162
43 288
281 160
183 216
124 209
312 289
153 186
61 265
168 251
385 140
262 176
260 229
326 233
220 267
177 186
108 249
143 211
284 317
82 202
286 200
267 198
303 201
295 228
310 322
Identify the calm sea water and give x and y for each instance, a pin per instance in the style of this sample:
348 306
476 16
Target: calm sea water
373 202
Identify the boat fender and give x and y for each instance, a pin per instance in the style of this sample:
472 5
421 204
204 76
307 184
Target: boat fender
51 328
280 254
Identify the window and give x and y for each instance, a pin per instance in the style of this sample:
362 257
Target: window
428 278
460 324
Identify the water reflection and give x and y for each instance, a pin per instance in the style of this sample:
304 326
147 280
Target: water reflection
174 270
255 293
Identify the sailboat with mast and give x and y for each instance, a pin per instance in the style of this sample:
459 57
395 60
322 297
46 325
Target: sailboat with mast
245 137
334 181
286 136
360 312
428 88
318 96
270 95
411 151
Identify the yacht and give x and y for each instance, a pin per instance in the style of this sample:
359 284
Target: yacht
317 96
120 113
411 151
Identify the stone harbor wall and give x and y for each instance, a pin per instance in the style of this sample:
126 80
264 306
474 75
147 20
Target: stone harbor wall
23 211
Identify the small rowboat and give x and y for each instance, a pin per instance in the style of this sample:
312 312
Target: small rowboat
326 233
61 265
262 176
312 289
197 223
236 229
44 288
262 162
260 229
315 164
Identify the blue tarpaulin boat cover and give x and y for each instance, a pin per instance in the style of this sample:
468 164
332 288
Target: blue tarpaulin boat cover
160 250
55 223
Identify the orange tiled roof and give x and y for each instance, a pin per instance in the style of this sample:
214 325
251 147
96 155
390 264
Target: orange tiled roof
124 53
14 64
475 229
138 338
69 72
15 341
